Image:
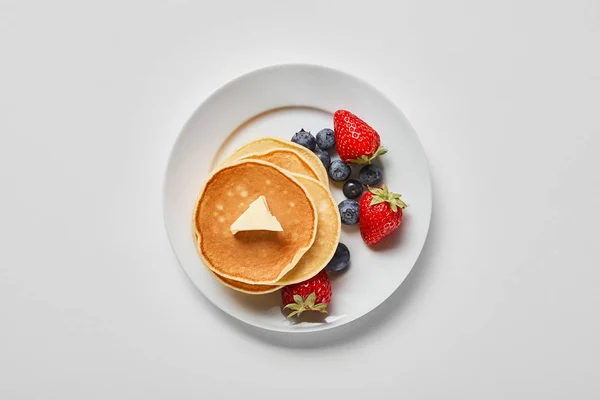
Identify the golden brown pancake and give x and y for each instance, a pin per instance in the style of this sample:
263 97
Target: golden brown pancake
246 287
255 257
328 234
269 143
287 159
315 259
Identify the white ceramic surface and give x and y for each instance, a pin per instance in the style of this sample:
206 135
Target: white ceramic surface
277 101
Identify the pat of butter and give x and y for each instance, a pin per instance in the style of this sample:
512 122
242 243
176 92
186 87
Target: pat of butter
257 217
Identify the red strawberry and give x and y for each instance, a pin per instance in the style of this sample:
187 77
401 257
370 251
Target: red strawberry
355 141
313 294
380 213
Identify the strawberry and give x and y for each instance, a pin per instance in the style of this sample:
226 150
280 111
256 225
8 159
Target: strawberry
380 213
356 142
311 295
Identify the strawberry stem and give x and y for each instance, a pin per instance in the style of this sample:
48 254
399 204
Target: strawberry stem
307 304
363 160
383 195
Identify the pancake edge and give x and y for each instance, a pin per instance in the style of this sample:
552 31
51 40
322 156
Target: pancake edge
284 149
315 161
282 281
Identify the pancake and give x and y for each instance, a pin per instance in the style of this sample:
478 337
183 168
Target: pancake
269 143
255 257
287 159
328 234
322 250
246 287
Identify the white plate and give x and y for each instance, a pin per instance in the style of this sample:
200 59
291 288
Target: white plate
278 101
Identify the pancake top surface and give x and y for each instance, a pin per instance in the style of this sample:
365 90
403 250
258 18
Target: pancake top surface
317 257
253 256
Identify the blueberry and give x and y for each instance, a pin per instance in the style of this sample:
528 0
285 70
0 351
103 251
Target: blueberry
326 139
323 156
352 189
305 139
370 175
338 171
340 259
349 212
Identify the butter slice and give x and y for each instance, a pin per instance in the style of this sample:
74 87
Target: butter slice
257 217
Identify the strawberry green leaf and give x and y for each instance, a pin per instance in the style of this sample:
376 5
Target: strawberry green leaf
322 307
298 299
400 203
310 300
386 192
380 151
375 190
376 200
362 160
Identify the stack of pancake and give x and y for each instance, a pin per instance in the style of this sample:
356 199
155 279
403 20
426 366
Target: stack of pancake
294 183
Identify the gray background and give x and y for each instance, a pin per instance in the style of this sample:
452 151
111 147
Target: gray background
503 303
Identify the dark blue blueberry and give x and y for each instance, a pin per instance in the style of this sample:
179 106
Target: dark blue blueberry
338 171
349 212
352 189
305 139
370 175
341 258
326 139
323 156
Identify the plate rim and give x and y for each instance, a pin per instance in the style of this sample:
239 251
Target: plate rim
265 69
